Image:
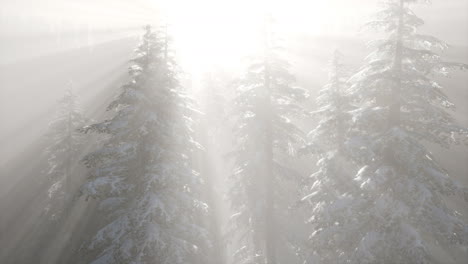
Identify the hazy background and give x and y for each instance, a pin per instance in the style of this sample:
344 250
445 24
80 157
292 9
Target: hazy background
44 44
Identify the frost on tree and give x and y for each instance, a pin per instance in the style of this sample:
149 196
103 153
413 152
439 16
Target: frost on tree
329 192
142 174
65 149
403 107
266 100
332 114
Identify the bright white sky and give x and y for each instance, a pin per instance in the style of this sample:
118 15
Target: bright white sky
309 16
222 28
206 32
210 31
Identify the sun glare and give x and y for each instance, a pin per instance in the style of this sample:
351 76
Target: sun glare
209 32
213 32
233 131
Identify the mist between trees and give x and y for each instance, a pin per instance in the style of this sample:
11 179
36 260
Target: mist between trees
166 178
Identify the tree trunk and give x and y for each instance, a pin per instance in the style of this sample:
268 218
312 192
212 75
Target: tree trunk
270 221
69 159
395 106
340 133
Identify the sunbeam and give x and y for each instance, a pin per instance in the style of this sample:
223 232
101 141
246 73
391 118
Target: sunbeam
233 132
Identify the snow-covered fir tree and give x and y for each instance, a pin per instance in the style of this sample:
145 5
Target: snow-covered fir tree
63 153
332 116
402 212
142 175
265 102
329 191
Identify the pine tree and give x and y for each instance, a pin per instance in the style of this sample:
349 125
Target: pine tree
64 151
266 99
333 111
329 191
142 175
402 108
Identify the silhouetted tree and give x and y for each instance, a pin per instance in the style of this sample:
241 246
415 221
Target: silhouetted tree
266 99
64 151
142 174
402 213
329 191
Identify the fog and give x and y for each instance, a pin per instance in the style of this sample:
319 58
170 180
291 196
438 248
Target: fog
236 159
